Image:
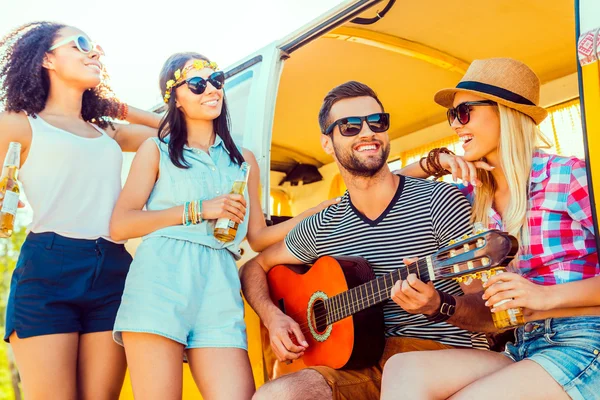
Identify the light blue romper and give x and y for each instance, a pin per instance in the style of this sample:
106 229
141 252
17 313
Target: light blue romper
183 283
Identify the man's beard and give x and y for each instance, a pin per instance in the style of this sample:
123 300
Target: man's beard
359 167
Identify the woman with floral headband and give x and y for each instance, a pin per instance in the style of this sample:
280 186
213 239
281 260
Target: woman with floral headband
182 296
543 199
69 278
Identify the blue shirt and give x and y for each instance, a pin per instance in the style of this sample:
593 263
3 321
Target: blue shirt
210 175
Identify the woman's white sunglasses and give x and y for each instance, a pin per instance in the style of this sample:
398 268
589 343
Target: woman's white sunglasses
83 44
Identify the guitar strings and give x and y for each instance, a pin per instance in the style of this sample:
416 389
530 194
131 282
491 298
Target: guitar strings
337 311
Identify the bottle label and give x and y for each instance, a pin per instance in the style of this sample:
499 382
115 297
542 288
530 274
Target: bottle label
224 223
11 202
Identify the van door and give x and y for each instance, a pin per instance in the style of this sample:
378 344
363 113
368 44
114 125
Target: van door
252 84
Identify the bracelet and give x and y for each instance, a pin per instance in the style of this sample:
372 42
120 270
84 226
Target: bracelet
122 111
186 215
447 308
192 213
199 213
432 166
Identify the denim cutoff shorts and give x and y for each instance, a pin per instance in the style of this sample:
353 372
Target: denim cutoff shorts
184 291
64 285
567 348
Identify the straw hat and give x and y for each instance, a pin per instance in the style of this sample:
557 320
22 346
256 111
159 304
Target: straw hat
504 80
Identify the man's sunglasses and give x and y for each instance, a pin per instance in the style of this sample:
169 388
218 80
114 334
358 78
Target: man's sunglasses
197 84
462 112
351 126
83 44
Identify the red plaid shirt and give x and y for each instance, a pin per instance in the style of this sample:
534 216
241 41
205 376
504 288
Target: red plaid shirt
562 246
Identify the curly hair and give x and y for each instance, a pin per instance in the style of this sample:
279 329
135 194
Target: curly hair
24 83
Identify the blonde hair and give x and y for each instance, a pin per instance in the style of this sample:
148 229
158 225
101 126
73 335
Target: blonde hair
519 138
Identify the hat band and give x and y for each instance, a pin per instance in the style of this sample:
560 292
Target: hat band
494 91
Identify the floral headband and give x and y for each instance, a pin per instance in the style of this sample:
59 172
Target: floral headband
180 75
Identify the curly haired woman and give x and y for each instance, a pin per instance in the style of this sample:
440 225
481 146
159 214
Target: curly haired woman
67 286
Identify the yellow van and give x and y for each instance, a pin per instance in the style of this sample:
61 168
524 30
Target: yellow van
405 51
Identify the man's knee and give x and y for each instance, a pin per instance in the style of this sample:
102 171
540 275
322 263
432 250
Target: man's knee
305 384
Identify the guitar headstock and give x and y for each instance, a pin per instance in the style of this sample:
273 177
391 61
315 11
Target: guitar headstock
467 258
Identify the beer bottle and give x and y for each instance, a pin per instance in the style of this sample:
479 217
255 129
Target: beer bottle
225 228
10 189
507 318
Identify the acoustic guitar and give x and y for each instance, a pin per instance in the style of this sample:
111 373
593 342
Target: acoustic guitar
338 301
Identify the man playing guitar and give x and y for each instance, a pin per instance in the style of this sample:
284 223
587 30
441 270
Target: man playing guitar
385 219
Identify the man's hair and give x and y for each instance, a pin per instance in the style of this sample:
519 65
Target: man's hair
346 90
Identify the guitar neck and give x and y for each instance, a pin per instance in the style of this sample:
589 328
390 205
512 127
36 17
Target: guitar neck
373 292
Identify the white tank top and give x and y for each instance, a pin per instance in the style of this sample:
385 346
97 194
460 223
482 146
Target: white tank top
71 182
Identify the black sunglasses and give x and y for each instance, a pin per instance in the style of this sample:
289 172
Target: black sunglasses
351 126
197 84
462 112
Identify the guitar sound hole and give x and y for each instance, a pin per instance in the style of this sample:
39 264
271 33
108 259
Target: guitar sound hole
319 316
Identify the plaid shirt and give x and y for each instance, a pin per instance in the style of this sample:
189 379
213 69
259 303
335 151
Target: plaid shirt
562 246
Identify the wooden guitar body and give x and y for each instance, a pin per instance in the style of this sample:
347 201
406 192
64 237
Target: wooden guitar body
352 342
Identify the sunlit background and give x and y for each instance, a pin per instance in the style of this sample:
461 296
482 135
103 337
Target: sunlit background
138 36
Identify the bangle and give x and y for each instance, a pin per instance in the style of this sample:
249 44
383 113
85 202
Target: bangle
192 213
122 111
446 310
199 208
186 215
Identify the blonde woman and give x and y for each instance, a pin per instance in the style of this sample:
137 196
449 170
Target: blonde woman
541 198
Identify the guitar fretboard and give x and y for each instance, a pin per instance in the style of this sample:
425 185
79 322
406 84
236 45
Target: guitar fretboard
373 292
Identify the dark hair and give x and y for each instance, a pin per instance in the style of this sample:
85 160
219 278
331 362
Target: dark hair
24 82
344 91
173 123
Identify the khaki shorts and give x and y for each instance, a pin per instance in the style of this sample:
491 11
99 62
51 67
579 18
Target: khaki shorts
365 383
357 384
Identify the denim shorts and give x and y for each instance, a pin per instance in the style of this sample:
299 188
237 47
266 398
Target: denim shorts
567 348
64 285
184 291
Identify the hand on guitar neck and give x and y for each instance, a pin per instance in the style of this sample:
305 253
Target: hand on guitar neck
415 296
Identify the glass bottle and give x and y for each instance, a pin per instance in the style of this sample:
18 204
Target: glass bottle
9 187
225 228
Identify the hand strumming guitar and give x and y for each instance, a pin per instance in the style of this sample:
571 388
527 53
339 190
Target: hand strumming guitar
287 340
415 296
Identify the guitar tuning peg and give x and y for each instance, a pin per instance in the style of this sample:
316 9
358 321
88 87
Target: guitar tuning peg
484 276
452 241
469 280
465 236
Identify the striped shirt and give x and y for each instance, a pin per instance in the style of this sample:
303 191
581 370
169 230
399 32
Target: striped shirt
422 217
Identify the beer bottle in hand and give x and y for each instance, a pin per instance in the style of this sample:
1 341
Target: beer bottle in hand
9 188
225 228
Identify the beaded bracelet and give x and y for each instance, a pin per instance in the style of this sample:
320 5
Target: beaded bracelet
122 111
432 166
192 213
186 215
